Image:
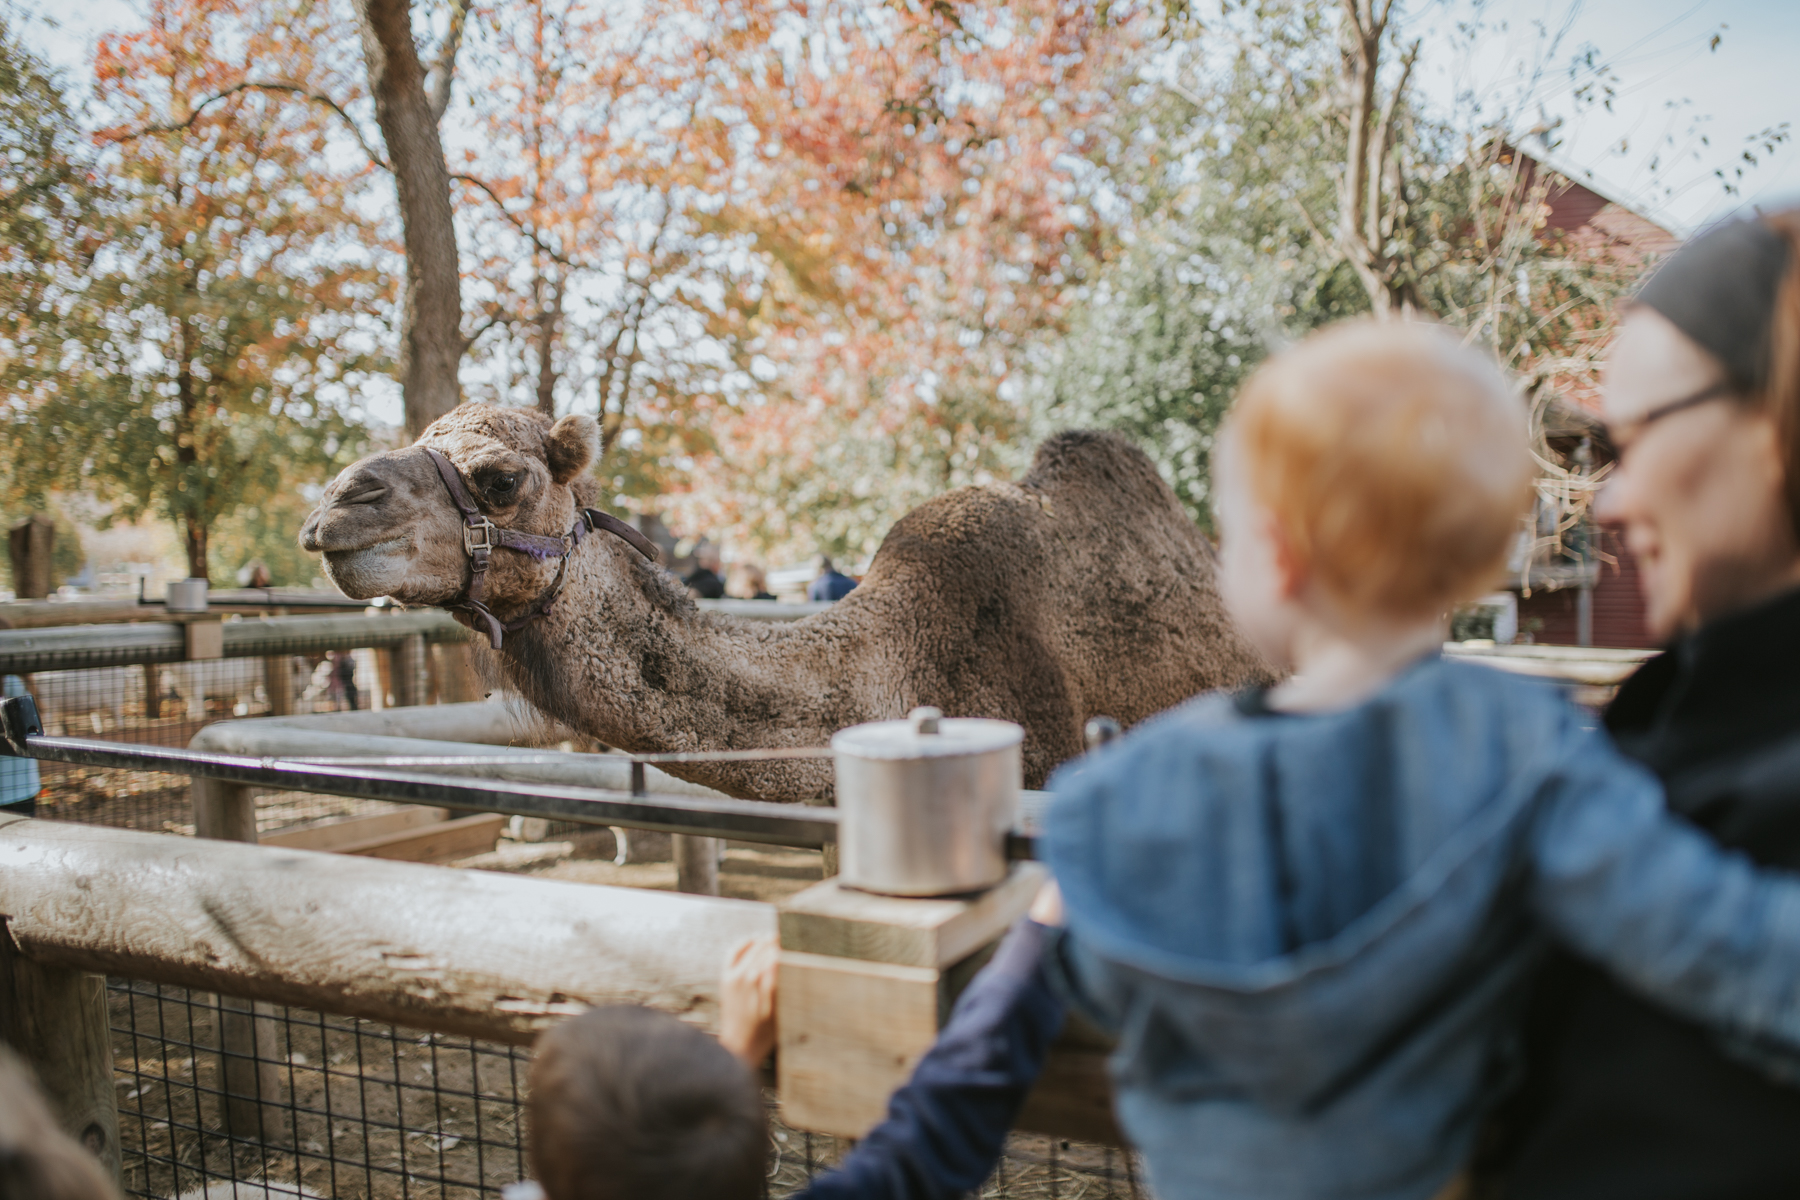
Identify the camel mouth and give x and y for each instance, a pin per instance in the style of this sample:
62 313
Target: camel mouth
336 554
365 572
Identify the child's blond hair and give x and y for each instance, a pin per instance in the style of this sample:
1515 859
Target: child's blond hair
1393 459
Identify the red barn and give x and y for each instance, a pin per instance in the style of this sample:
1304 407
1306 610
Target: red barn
1595 603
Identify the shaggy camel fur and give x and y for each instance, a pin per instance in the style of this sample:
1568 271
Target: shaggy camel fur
1082 589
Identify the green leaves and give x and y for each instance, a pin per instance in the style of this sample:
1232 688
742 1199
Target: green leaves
185 339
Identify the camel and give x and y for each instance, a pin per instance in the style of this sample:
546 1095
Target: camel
1083 589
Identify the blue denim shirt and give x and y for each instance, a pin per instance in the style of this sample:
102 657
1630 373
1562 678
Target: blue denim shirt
1308 931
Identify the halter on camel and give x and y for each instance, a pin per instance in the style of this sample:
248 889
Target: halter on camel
481 537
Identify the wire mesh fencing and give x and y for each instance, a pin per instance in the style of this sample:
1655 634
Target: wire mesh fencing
167 703
217 1094
222 1099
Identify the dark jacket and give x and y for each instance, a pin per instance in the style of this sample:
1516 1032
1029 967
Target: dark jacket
832 585
946 1128
706 584
1622 1098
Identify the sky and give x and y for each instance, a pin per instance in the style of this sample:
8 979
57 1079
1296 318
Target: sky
1669 83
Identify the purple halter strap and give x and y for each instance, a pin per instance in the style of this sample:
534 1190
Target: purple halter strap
481 537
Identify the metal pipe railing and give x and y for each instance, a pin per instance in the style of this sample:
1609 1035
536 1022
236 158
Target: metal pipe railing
798 825
24 651
741 820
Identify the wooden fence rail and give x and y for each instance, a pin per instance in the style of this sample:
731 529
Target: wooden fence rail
486 955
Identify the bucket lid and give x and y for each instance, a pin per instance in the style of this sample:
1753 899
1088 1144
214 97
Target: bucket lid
927 733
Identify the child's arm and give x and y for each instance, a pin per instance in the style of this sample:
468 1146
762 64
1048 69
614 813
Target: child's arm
747 1000
1667 909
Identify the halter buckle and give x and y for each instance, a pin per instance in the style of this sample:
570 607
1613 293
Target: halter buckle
479 536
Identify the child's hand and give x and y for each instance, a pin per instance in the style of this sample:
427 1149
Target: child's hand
1047 907
747 1000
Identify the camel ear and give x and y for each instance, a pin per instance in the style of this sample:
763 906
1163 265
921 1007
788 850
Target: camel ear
571 445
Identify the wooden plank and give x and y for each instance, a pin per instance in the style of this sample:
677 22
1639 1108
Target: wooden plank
850 1033
338 834
829 918
478 953
205 639
443 842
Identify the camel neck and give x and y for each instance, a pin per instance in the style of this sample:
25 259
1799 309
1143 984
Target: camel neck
628 658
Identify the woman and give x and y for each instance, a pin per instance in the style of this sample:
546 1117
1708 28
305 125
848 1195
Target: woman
1622 1099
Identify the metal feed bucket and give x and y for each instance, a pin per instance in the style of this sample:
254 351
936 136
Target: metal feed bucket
185 596
926 803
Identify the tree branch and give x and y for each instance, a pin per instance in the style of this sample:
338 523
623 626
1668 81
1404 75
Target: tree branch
634 325
1390 112
443 71
498 316
250 85
555 256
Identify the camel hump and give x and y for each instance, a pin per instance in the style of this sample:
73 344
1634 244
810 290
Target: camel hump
1088 483
1097 467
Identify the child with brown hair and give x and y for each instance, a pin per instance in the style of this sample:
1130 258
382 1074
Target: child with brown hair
630 1104
1306 910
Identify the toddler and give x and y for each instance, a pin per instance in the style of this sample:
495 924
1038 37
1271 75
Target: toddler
1306 911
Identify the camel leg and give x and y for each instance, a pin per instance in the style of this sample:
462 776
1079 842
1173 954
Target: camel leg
696 864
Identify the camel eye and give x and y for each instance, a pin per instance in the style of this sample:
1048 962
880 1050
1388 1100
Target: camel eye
503 485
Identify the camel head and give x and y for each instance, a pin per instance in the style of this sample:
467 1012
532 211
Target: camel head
388 526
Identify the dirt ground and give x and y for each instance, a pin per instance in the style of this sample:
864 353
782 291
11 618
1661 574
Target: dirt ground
748 872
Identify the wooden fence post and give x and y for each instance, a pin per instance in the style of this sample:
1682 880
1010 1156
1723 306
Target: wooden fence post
152 691
247 1032
30 543
828 865
56 1019
696 864
278 681
867 981
409 672
457 680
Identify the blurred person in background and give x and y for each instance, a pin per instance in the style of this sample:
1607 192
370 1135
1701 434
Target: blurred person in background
343 678
831 584
1622 1098
749 582
19 782
704 582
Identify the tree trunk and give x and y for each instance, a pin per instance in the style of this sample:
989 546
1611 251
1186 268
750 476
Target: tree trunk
548 321
431 342
187 453
194 534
